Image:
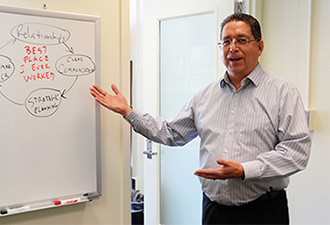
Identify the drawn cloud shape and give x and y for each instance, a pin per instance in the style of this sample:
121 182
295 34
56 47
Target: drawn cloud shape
7 68
43 102
40 34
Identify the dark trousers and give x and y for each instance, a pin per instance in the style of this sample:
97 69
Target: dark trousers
270 208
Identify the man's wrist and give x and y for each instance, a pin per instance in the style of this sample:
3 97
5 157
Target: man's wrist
127 111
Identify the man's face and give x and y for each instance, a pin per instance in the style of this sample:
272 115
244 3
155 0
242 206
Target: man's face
239 60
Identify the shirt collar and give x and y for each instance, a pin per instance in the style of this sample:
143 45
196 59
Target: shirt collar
254 77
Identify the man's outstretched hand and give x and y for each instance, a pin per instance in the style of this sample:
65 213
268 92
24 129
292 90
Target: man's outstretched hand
116 103
228 169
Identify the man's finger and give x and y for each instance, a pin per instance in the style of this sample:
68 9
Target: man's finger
99 90
204 174
115 89
221 161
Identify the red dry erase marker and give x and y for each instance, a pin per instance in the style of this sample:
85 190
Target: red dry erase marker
67 201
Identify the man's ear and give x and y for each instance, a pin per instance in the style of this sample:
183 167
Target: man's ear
261 47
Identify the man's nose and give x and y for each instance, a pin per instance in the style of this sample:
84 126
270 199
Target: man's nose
233 46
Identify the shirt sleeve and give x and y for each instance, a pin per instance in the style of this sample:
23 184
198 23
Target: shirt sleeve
292 152
175 132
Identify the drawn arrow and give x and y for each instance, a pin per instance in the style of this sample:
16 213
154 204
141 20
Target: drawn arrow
9 42
62 94
69 48
20 104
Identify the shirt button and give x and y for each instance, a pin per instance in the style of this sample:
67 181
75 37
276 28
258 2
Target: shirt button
224 191
229 131
226 151
232 112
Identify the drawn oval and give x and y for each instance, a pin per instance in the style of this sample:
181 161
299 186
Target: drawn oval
43 102
7 68
75 65
38 33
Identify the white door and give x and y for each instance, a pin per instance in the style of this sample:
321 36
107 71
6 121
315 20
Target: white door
172 193
187 63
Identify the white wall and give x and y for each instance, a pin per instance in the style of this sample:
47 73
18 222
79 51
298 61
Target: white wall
296 35
309 190
286 30
317 180
113 207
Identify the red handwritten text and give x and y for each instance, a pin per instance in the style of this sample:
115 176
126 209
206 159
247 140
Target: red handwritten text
36 64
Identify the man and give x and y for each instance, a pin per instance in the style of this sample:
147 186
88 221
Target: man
252 126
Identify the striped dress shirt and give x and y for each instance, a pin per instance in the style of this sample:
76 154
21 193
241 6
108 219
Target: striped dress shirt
262 125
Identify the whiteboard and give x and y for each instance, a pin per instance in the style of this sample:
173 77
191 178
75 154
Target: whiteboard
49 123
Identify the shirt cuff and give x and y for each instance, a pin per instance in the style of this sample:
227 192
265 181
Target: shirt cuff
133 117
251 170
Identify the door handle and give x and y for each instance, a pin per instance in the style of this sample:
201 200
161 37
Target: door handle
149 154
149 151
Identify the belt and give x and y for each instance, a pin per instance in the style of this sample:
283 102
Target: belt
268 196
265 197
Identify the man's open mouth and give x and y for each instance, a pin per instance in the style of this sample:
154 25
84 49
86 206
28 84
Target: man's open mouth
235 59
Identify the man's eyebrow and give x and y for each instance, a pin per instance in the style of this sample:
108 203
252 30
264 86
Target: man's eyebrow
236 36
226 37
243 35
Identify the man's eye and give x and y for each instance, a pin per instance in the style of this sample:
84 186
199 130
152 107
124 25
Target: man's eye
226 42
242 41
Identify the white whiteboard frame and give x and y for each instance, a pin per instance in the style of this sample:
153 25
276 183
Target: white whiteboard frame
79 17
